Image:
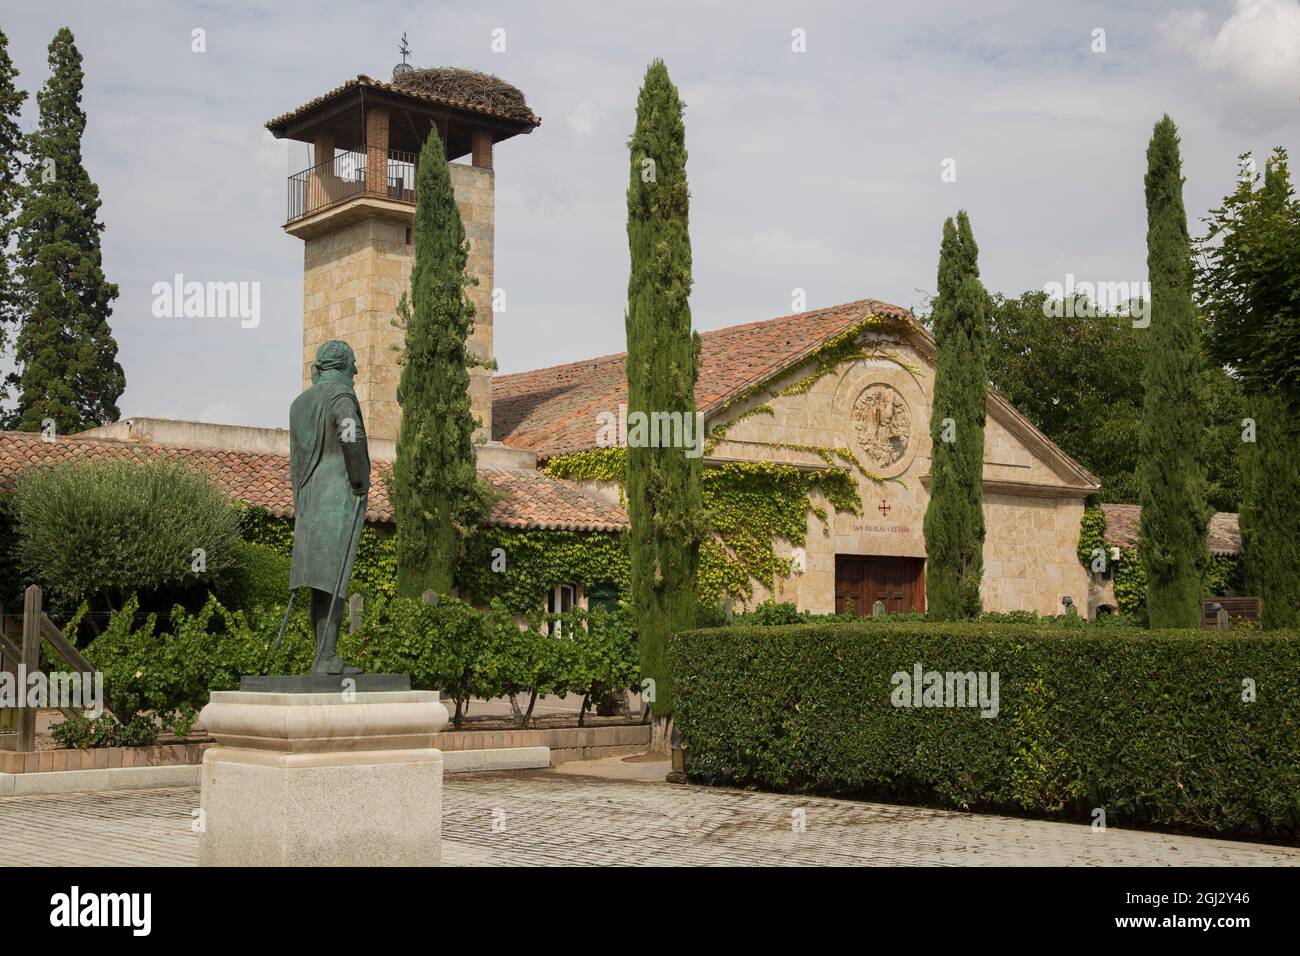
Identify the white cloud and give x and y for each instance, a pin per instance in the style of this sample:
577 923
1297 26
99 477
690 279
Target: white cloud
1259 44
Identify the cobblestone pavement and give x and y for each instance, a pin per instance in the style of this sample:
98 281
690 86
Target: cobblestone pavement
549 818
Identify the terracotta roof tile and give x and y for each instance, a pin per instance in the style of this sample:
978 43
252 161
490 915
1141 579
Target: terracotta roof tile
529 499
363 80
1223 536
553 410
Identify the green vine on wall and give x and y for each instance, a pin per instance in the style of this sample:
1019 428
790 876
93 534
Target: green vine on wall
751 504
1092 535
594 464
519 567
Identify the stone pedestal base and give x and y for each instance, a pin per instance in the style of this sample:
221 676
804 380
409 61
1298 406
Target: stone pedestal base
322 780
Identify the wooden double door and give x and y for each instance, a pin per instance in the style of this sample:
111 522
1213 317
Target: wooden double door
862 580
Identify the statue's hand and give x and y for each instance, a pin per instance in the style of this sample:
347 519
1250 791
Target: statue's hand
361 490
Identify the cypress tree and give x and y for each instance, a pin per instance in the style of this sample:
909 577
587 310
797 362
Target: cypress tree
1270 512
954 518
11 167
664 499
437 498
1171 482
66 353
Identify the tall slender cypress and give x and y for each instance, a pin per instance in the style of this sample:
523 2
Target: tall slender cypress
1171 480
663 484
437 498
11 167
954 518
66 354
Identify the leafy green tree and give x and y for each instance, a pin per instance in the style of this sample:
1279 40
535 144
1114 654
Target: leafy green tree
1270 512
954 518
1171 481
66 354
438 499
1249 286
665 502
1077 375
1248 282
11 167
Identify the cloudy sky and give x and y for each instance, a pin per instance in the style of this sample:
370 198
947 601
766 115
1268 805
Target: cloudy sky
819 170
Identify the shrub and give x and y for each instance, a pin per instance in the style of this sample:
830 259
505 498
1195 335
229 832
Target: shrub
1151 726
259 577
101 531
604 662
106 731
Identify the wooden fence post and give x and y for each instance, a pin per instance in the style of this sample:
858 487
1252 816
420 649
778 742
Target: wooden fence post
355 603
32 659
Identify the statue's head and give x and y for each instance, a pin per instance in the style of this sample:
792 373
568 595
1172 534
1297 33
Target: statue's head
334 356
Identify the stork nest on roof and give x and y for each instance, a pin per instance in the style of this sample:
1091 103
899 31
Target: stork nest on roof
467 86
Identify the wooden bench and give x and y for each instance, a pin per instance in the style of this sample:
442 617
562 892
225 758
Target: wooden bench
1233 610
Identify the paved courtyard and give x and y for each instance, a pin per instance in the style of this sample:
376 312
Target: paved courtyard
624 815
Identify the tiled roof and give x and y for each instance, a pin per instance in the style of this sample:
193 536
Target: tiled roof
553 410
529 499
1223 537
532 500
363 80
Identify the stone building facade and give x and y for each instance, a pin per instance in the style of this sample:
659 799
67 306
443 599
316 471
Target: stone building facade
875 405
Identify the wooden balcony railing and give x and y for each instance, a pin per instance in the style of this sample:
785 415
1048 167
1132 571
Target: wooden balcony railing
349 174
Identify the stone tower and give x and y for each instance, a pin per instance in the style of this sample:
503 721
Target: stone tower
353 207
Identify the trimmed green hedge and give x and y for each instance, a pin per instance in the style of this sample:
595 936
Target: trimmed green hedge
1150 726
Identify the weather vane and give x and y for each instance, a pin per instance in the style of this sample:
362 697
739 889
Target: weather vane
405 50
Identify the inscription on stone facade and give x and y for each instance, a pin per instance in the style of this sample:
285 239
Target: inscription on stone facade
883 424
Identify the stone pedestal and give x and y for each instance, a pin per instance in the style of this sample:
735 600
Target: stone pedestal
322 779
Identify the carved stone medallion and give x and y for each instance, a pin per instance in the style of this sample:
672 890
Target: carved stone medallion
883 424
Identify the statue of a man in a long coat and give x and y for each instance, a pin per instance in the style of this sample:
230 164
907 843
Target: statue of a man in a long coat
329 466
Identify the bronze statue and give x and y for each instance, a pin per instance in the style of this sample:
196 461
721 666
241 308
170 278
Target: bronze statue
329 468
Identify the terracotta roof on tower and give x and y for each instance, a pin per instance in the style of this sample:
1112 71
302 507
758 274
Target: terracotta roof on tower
529 499
1122 521
503 108
553 410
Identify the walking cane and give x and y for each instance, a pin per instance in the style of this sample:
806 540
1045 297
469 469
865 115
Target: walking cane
334 597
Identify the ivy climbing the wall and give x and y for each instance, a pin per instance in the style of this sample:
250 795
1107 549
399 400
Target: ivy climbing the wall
750 504
519 567
595 464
